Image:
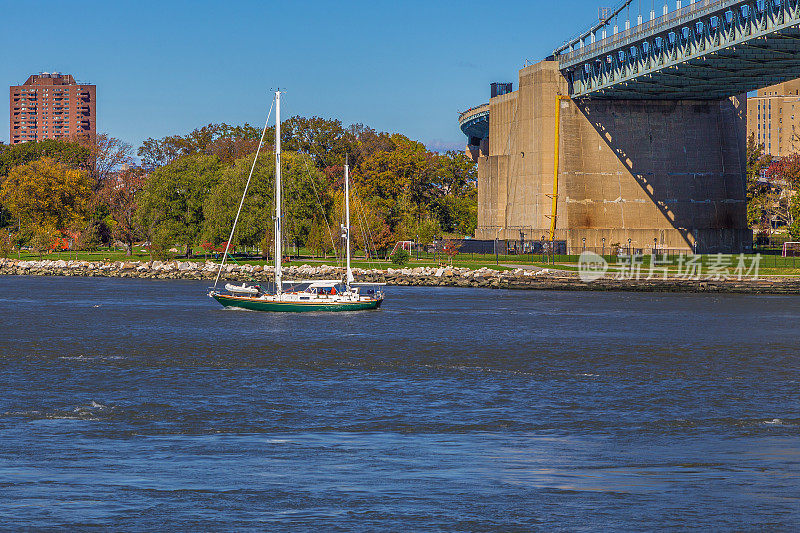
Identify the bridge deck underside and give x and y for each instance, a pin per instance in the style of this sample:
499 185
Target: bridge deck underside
476 126
738 69
477 129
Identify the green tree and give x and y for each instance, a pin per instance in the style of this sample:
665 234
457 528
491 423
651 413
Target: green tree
305 194
757 162
794 226
69 154
402 184
221 204
170 205
458 214
325 140
319 238
428 230
458 173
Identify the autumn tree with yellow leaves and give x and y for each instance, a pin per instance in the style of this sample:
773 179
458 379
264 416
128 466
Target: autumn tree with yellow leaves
46 198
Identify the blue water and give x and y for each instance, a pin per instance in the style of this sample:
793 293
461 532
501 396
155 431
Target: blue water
133 404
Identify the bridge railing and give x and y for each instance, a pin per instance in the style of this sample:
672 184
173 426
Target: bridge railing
609 43
465 115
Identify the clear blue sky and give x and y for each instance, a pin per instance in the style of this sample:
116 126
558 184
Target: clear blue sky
164 68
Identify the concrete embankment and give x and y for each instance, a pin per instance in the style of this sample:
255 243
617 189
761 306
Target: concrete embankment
419 276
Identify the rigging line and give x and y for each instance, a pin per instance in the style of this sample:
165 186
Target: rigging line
361 220
372 255
324 216
362 212
289 241
364 239
319 198
241 204
230 256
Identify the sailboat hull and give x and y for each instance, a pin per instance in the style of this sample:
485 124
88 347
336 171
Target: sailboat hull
257 304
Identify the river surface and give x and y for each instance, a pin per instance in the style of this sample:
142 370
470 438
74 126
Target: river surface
143 405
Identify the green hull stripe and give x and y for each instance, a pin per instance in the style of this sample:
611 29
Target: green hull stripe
294 307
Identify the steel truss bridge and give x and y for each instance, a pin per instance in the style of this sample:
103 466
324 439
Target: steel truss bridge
707 49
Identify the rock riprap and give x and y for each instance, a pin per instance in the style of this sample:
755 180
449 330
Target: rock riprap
417 276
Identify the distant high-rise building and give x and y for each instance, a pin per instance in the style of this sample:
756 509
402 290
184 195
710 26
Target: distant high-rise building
773 118
51 106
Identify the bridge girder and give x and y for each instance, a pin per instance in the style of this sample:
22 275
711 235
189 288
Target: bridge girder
718 49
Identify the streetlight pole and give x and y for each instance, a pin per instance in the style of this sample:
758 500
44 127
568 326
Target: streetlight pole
544 249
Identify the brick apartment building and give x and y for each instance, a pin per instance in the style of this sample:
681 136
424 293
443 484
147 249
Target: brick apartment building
773 118
51 106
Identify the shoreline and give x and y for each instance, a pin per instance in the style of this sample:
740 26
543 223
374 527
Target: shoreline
519 279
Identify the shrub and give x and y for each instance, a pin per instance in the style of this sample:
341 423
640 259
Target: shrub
159 250
400 257
42 239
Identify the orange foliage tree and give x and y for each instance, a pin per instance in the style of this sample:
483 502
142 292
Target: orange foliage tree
451 248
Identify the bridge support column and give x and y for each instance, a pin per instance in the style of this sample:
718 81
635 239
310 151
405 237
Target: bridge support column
667 171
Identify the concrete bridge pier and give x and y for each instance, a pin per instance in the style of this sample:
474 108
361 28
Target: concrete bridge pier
665 171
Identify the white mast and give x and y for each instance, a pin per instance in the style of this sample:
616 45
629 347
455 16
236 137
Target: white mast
347 219
278 228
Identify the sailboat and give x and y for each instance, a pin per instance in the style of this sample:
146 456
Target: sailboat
298 295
